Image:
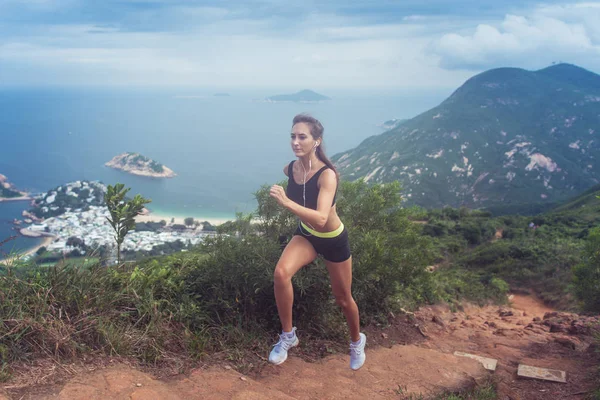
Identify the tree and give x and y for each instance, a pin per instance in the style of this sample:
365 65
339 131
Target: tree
122 212
74 241
189 221
208 227
241 226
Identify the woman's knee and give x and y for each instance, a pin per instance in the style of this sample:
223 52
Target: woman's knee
281 275
344 300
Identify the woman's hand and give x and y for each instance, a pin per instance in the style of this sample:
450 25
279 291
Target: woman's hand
278 193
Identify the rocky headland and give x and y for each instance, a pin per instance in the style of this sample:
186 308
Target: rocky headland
8 191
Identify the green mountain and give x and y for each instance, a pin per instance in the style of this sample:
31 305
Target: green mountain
392 123
587 204
506 137
301 96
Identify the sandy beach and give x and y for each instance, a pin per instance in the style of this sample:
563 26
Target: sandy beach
47 240
154 217
21 198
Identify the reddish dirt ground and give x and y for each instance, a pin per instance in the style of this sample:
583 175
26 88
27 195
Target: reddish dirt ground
414 355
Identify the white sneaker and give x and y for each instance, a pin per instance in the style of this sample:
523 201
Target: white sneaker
280 351
357 353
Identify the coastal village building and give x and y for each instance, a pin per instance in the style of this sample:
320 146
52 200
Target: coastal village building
93 228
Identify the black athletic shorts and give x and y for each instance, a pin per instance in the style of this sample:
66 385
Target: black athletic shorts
334 249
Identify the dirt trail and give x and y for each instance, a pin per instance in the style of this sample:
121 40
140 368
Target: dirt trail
428 367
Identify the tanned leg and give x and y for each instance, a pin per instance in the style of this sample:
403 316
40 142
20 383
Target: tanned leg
340 275
298 253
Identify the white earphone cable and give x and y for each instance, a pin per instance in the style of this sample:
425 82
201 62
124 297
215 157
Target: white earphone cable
304 192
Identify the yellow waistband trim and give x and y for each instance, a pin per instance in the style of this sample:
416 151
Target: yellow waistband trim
326 235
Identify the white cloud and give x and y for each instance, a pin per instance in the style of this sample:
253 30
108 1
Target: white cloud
545 35
231 52
185 44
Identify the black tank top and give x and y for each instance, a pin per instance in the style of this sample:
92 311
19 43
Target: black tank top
294 190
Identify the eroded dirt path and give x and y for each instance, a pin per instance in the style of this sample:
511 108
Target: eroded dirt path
512 335
527 332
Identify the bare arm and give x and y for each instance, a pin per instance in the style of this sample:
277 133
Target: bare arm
317 218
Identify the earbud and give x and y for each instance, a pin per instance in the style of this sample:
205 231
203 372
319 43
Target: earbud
316 144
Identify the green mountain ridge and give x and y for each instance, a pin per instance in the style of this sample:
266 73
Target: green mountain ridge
586 202
506 136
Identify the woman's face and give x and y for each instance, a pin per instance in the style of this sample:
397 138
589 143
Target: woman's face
301 140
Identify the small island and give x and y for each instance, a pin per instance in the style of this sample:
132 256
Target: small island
138 164
303 96
221 95
8 191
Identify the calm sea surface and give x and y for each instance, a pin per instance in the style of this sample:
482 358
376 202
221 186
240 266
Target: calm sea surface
222 148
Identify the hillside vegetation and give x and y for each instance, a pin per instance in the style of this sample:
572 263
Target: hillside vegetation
218 297
507 137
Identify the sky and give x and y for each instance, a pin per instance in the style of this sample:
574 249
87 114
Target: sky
402 44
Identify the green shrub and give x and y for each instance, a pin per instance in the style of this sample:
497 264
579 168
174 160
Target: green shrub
586 275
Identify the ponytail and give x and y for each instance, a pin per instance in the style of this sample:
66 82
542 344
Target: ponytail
321 156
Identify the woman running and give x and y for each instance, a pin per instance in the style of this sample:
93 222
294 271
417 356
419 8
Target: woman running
311 194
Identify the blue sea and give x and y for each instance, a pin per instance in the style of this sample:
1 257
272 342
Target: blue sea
222 148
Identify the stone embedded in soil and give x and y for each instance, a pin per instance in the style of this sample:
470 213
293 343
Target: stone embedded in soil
567 342
554 375
551 314
488 363
505 313
557 328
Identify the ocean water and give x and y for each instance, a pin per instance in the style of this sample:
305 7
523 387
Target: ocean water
10 240
222 148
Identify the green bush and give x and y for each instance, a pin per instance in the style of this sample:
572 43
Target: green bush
586 275
470 231
435 228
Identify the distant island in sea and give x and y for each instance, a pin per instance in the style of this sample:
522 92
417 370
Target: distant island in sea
221 95
138 164
303 96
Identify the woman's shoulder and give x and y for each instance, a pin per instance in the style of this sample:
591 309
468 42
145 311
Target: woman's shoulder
287 167
327 176
328 173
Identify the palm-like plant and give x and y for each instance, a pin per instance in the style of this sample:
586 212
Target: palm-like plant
122 212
